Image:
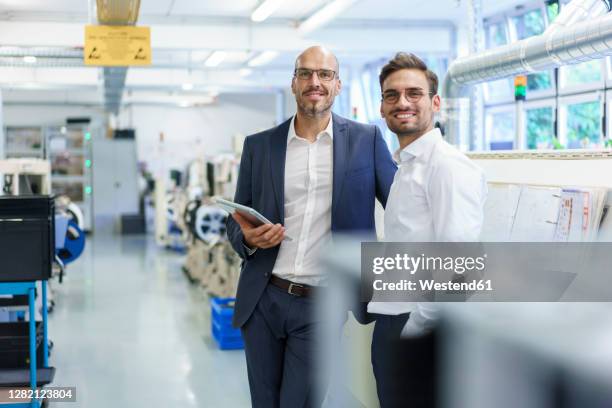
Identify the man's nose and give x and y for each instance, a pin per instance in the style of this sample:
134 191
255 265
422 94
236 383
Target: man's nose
314 79
403 100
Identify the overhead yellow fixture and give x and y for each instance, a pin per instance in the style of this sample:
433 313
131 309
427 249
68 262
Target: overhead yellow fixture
118 12
215 58
263 58
265 10
117 46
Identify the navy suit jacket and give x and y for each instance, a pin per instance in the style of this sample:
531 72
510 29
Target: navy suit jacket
362 171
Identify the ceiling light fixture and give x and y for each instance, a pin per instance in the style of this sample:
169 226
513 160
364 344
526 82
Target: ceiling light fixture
215 58
29 59
187 86
245 72
265 10
263 58
324 15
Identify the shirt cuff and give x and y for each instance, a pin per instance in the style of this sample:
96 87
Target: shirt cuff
248 250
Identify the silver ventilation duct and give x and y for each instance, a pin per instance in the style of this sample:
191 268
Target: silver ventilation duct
116 12
583 41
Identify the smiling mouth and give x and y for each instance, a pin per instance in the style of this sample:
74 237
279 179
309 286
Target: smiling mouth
405 115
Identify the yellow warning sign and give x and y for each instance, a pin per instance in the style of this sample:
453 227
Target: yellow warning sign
117 46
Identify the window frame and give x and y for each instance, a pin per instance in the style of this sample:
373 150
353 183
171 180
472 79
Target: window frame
543 93
586 87
543 103
535 5
488 110
565 101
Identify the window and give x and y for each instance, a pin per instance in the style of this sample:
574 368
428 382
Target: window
552 10
539 81
501 90
580 118
500 128
583 76
529 24
497 34
540 127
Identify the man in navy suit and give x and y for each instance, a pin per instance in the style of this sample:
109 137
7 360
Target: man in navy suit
313 175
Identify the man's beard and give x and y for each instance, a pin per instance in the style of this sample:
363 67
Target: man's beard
416 130
312 110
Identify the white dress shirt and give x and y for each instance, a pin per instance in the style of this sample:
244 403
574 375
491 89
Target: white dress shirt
308 199
437 195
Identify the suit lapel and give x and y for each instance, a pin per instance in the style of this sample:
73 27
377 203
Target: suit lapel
278 154
341 151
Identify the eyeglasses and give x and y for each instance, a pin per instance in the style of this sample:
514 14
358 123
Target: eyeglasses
412 95
323 74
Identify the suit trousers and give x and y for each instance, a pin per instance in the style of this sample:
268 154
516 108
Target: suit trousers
404 368
280 340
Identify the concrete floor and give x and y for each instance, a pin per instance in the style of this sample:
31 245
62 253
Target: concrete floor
130 331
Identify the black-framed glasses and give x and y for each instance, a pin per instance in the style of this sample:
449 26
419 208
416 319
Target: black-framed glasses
413 95
323 74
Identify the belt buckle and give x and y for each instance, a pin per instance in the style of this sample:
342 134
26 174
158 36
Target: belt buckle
291 285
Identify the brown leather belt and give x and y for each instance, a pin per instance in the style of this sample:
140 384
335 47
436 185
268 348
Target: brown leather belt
296 289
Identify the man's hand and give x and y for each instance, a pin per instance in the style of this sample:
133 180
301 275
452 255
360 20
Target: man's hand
264 236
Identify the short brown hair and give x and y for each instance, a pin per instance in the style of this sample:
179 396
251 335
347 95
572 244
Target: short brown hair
403 60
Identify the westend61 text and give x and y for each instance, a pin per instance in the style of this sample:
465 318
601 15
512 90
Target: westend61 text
429 285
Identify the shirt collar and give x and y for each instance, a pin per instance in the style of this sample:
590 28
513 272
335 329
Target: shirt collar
420 146
329 130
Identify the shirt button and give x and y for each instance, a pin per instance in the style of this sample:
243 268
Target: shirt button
266 274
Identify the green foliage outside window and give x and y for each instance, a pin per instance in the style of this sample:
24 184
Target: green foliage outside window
539 81
529 24
582 73
583 125
540 128
552 10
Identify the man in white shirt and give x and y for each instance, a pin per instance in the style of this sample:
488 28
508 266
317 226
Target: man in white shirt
313 175
437 195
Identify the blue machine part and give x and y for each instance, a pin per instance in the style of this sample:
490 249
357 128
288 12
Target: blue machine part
73 245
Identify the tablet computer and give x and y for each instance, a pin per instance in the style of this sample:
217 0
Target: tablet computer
250 214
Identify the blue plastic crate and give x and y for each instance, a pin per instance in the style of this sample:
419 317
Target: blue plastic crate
227 337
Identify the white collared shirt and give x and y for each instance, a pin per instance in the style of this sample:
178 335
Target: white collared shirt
308 201
437 195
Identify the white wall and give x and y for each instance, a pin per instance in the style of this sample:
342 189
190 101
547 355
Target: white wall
193 132
46 115
188 132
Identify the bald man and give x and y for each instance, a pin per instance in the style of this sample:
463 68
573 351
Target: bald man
314 175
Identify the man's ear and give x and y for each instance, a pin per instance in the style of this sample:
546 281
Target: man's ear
436 103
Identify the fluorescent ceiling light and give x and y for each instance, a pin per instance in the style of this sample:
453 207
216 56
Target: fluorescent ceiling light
265 10
29 59
184 104
199 55
324 15
187 86
263 58
215 58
